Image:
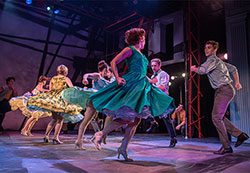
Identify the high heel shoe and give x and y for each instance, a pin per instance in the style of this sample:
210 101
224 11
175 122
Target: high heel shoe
124 154
30 134
97 139
104 140
24 133
46 139
173 142
78 146
56 141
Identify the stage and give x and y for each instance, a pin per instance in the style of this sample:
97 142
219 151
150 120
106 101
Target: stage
149 151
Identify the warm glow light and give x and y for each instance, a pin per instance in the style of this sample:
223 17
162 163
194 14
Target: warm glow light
225 56
172 77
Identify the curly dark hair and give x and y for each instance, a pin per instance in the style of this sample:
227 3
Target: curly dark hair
43 78
215 44
8 79
133 35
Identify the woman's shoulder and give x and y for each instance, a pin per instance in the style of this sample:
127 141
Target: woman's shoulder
128 49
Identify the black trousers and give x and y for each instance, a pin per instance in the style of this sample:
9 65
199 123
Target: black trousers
4 108
170 126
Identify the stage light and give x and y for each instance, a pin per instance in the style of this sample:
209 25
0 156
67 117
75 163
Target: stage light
225 56
173 77
56 11
28 2
169 83
48 8
183 74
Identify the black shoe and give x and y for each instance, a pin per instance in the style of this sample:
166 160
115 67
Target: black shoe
173 141
46 140
56 141
240 139
153 125
223 151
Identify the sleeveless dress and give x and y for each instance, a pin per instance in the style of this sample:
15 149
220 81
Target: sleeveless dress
53 101
137 98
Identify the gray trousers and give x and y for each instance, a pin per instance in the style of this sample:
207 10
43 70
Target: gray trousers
222 98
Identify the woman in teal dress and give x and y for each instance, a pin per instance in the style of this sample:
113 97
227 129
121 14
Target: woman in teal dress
132 96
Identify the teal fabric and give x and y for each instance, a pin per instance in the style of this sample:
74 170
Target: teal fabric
78 96
136 94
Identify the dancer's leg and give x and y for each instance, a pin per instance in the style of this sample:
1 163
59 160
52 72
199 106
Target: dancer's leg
129 133
33 122
49 128
58 127
108 120
88 115
25 129
98 137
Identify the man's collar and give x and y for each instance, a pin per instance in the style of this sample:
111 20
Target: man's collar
157 72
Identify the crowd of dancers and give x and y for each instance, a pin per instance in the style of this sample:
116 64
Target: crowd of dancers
125 100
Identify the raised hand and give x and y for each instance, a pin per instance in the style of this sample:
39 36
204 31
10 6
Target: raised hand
238 86
85 81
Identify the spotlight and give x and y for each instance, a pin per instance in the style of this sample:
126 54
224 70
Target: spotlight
28 2
225 56
169 83
56 11
48 8
173 77
183 74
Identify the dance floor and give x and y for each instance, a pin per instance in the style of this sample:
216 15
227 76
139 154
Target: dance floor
149 151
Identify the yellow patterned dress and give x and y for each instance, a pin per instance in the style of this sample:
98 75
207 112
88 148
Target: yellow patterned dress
53 101
20 103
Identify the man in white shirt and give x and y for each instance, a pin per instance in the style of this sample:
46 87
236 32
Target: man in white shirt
160 79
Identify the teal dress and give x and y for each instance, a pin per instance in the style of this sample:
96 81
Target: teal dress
137 98
77 95
80 96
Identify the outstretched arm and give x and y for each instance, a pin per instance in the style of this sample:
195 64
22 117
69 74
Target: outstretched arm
206 67
93 76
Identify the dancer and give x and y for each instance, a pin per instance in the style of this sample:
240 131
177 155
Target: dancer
219 78
6 92
132 96
160 79
20 103
100 80
52 101
179 118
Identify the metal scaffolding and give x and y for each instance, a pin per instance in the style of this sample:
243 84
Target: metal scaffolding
193 83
